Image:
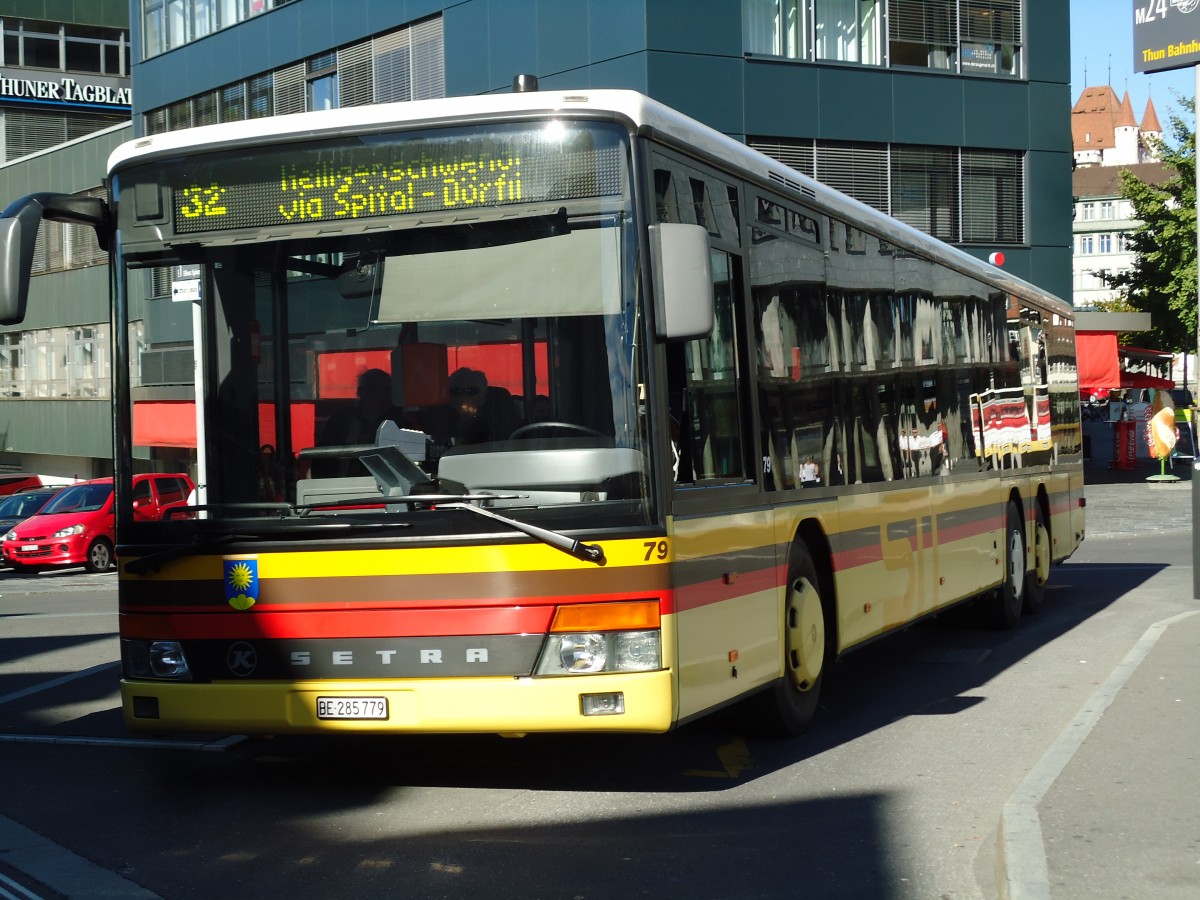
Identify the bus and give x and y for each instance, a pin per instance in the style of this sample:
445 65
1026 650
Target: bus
553 411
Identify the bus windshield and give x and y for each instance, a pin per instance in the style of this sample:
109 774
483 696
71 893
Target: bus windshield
485 349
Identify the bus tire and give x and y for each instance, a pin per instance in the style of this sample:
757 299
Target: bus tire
1005 603
788 706
1036 578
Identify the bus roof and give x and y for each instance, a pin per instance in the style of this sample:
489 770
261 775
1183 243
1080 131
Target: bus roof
647 116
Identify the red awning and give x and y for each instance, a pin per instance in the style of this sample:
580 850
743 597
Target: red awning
1098 368
1142 380
173 424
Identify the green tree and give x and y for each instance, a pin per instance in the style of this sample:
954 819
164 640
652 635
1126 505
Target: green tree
1163 279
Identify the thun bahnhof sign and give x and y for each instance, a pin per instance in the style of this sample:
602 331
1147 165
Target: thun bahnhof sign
1166 34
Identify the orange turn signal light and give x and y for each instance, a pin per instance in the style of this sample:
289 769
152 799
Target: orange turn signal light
625 615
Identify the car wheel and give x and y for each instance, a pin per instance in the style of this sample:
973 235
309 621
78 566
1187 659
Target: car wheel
99 556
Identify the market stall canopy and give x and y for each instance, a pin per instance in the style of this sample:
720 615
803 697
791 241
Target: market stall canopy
1142 380
1097 360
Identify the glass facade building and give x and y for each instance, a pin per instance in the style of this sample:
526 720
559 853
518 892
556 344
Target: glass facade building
951 115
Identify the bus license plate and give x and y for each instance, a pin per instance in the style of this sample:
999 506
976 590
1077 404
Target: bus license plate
352 708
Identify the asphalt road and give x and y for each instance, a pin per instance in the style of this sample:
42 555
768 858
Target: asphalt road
898 792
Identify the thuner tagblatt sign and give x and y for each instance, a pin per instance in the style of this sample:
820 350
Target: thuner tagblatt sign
1166 34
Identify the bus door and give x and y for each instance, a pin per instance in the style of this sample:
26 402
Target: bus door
728 620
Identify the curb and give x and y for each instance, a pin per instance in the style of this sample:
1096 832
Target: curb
1021 869
60 870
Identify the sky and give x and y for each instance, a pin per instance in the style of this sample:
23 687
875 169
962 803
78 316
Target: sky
1102 46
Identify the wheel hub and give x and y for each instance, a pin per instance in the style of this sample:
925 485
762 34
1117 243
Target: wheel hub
805 634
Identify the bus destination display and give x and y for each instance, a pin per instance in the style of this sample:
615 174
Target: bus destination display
354 181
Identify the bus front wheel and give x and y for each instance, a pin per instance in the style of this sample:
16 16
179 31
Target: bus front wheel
787 708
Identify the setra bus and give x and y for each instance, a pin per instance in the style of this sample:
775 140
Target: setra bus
548 411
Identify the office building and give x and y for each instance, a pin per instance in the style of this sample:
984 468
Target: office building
949 114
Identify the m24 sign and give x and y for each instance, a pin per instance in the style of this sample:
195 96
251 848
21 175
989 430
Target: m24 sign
1166 34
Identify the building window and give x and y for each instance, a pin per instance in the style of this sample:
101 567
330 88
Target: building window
970 196
407 64
1107 208
87 350
1087 211
12 365
967 36
835 30
925 190
990 36
62 246
993 196
167 24
1087 244
321 82
922 33
1106 243
64 47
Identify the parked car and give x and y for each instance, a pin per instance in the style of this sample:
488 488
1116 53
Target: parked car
16 508
11 482
1183 398
76 527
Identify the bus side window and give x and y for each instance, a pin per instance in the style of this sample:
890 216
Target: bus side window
712 387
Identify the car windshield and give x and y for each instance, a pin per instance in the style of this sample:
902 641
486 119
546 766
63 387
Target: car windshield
79 498
20 506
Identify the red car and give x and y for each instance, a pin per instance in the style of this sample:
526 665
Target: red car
76 527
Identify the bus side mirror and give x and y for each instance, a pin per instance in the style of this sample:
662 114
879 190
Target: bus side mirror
17 237
18 233
683 288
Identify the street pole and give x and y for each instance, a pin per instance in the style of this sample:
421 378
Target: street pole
1195 413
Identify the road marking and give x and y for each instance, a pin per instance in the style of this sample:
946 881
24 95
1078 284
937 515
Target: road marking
77 740
47 685
1025 874
735 759
13 890
63 872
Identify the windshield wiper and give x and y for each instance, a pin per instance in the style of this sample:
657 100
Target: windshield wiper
376 500
592 553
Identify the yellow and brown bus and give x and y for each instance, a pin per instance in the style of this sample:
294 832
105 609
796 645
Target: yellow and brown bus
552 411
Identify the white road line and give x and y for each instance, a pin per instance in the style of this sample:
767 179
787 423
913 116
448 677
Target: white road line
1026 875
74 740
12 890
47 685
59 869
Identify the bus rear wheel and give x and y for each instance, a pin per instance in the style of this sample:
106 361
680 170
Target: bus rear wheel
1036 578
787 708
1005 603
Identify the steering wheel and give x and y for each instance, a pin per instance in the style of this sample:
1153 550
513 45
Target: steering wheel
525 430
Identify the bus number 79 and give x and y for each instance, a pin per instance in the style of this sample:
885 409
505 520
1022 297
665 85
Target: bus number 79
657 549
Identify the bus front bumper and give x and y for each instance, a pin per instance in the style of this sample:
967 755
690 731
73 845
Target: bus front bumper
466 705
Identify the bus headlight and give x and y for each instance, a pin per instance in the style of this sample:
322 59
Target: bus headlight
155 659
588 638
580 653
587 653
